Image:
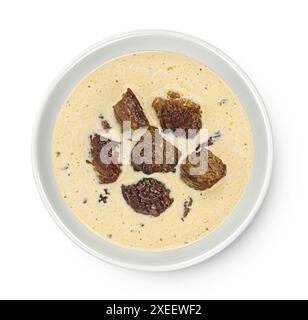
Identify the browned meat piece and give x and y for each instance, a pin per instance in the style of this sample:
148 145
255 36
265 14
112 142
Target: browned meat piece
148 196
187 207
178 113
216 170
129 109
173 95
152 153
107 172
105 124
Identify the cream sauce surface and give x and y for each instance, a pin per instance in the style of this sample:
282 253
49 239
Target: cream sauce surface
150 74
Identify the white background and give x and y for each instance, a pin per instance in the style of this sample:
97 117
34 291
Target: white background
267 38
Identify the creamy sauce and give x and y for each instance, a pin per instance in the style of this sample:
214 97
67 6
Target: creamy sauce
150 74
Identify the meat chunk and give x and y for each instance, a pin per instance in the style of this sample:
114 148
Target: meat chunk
148 196
173 95
152 153
109 169
129 109
216 170
178 113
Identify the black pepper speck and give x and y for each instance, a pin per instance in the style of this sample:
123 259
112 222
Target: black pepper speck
66 167
223 102
102 198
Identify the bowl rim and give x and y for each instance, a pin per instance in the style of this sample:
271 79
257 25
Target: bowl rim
268 131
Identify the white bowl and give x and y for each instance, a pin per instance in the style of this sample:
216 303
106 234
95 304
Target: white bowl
234 76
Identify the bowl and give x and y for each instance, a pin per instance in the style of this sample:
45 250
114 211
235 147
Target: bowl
230 72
